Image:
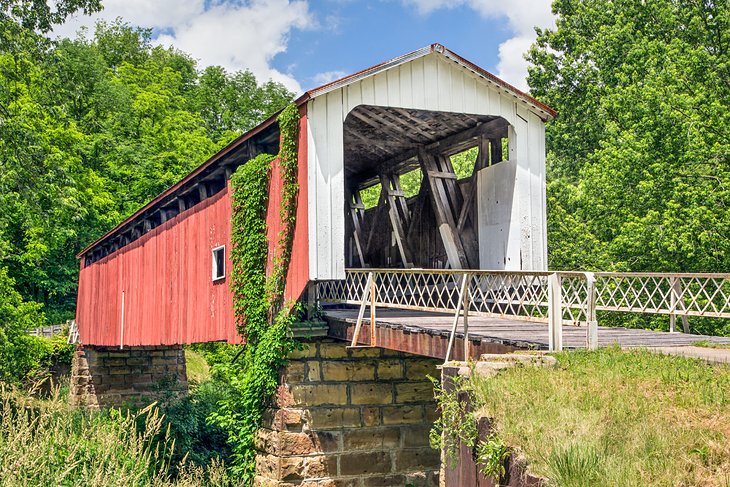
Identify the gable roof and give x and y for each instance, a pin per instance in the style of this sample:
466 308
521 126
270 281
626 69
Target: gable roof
540 109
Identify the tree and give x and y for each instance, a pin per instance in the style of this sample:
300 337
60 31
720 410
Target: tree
92 129
639 155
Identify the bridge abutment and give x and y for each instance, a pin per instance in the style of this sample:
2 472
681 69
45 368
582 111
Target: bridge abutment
350 417
133 376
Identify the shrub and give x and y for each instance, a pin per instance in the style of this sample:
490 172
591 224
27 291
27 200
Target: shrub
203 443
20 354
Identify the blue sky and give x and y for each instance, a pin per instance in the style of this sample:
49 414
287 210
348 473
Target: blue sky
364 34
305 43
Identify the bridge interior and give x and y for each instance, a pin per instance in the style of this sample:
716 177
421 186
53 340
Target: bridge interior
409 205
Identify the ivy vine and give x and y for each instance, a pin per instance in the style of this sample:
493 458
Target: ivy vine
262 318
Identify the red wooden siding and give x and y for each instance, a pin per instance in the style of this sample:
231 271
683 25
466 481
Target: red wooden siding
298 275
169 296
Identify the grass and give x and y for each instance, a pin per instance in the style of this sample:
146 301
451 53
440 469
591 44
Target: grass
616 418
197 367
44 442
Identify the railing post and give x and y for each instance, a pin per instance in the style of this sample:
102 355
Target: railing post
555 313
591 295
459 303
361 314
672 305
373 295
465 307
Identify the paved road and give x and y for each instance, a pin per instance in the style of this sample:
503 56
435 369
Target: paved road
712 355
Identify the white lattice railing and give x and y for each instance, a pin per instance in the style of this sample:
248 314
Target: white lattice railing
534 296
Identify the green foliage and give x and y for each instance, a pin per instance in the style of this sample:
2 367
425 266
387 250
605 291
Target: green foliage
371 195
249 251
20 354
638 156
288 162
194 438
464 162
92 129
262 321
455 425
491 455
45 442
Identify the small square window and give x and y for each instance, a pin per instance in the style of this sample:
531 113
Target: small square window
219 263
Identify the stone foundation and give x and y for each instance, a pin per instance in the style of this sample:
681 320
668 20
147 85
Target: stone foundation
350 418
134 376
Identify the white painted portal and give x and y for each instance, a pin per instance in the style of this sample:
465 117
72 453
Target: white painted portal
432 81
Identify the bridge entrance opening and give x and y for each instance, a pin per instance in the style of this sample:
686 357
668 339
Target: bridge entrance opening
411 185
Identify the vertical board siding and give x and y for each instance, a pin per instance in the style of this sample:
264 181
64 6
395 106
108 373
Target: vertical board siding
170 297
431 82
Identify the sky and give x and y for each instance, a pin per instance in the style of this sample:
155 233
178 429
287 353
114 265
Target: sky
306 43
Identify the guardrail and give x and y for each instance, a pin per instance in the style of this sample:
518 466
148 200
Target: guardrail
557 298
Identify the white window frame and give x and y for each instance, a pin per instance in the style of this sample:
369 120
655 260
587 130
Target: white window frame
213 266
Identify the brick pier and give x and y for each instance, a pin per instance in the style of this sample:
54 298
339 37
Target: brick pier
354 418
134 376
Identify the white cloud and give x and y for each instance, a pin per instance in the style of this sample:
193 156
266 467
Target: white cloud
233 34
522 17
327 76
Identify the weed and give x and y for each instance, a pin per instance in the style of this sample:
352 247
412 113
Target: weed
491 455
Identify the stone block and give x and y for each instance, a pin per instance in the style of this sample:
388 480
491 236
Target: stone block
320 466
291 468
431 413
138 361
267 466
330 350
327 441
418 369
294 443
413 392
293 372
138 378
364 463
320 394
164 361
385 481
332 418
348 371
371 416
371 393
417 459
115 362
416 436
308 350
369 352
390 369
283 419
119 370
402 414
371 439
314 371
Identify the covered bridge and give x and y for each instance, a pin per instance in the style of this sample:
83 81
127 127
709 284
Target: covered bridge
159 277
383 219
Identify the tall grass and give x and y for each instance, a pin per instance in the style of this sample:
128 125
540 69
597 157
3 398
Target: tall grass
616 418
44 442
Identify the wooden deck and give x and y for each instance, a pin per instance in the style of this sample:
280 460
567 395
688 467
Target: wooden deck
425 333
